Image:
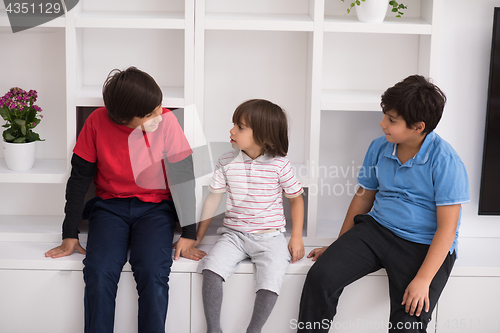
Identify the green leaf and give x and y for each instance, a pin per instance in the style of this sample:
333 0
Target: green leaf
20 122
4 113
394 10
31 136
8 137
358 2
31 116
21 139
392 3
23 130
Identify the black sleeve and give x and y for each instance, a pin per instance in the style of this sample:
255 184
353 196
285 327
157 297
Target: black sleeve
181 182
82 174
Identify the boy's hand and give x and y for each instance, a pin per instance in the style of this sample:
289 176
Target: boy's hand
416 296
68 246
316 253
296 248
187 248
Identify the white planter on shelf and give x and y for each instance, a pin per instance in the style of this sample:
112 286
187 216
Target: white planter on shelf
19 156
372 11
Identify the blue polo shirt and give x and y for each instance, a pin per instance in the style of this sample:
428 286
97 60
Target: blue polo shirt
409 193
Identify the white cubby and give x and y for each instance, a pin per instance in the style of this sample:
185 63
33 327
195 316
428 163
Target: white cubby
29 72
238 64
337 171
358 68
156 51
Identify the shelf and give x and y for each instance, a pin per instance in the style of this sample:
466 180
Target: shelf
46 171
270 22
130 20
92 96
350 100
391 25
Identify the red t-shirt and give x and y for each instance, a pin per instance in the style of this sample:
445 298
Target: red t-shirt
130 162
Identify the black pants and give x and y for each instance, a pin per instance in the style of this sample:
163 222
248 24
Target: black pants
364 249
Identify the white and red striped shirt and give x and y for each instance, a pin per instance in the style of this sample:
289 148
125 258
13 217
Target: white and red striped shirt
254 190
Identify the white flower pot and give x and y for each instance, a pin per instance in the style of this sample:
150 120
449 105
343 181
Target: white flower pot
372 11
19 156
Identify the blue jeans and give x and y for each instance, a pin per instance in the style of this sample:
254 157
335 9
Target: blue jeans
115 226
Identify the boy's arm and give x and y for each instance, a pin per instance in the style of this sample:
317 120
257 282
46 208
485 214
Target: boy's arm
187 247
296 244
82 174
417 292
210 206
361 203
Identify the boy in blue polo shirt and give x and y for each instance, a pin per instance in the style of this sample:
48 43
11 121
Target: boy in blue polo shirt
404 217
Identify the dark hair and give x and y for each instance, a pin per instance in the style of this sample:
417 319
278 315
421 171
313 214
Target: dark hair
415 99
130 93
269 125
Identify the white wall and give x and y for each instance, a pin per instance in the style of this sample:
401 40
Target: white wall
464 72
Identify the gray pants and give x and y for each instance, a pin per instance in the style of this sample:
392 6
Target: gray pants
268 252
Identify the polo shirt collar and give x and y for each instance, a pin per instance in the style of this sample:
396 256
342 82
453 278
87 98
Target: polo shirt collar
261 158
423 153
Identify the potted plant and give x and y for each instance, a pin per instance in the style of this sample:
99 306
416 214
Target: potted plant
375 10
18 109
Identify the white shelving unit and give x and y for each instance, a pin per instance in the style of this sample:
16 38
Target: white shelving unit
209 56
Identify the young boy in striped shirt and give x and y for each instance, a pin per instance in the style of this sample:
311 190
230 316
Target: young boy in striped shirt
254 175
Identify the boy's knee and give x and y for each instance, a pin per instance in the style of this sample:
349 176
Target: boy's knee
317 276
102 269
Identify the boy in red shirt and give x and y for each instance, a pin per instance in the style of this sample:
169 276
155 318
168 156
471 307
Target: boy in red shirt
126 148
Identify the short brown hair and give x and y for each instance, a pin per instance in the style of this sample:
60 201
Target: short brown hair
415 99
269 125
130 93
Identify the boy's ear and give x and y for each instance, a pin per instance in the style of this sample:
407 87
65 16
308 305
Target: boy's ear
419 127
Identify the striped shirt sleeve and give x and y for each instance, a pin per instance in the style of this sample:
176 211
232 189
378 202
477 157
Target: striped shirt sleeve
218 181
289 182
